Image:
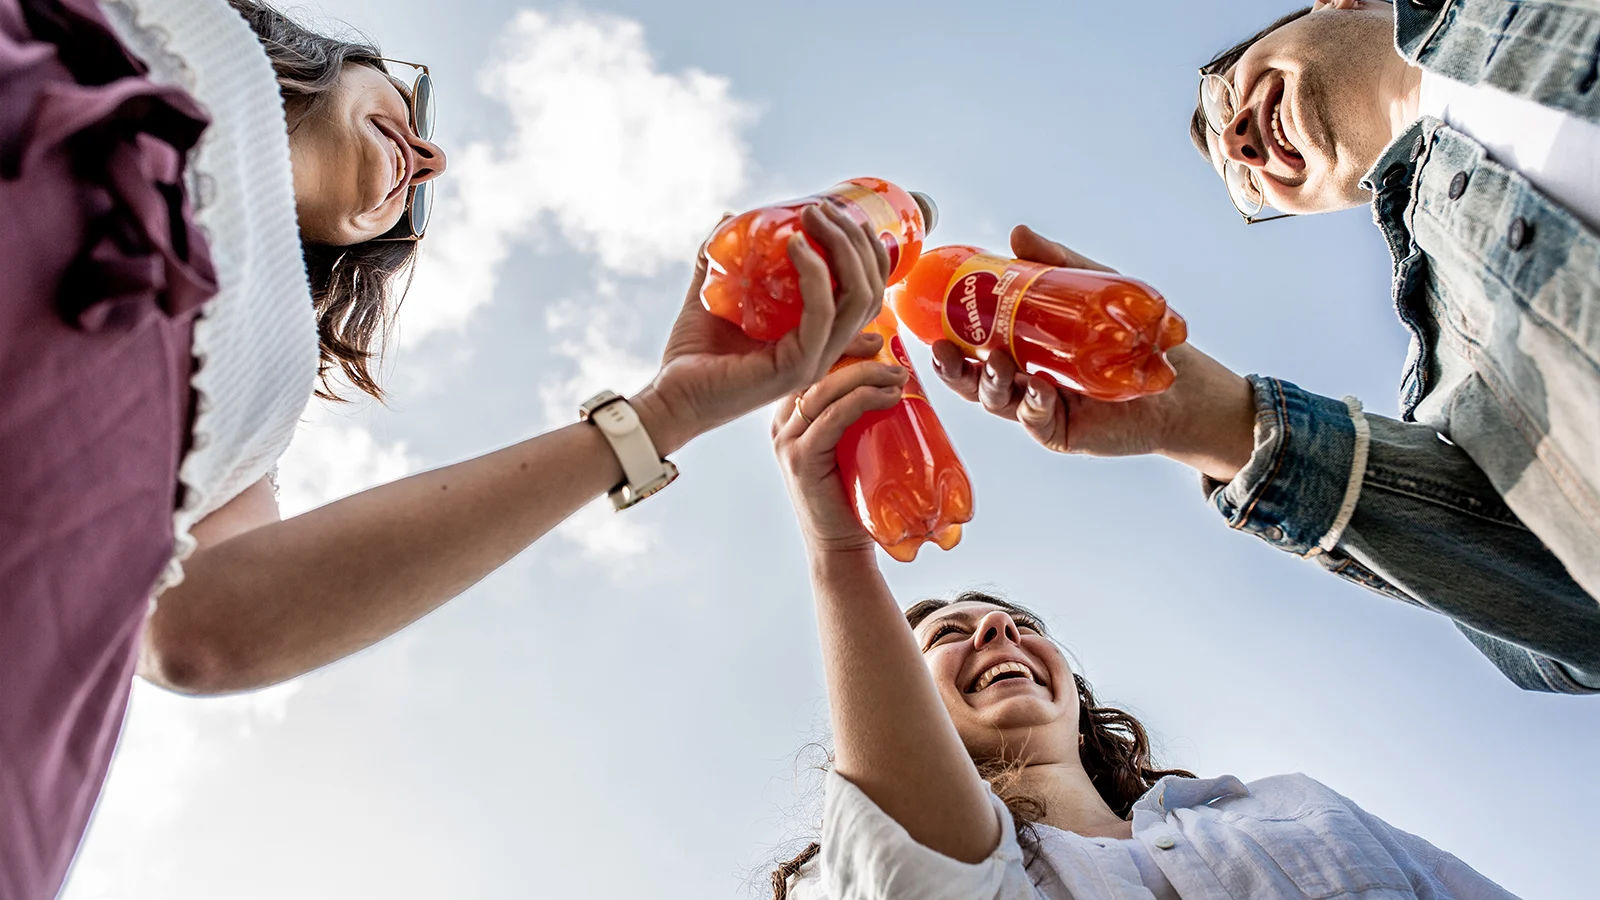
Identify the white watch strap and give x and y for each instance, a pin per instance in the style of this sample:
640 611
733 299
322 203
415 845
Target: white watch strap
641 464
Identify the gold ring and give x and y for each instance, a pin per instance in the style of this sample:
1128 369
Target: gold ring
801 410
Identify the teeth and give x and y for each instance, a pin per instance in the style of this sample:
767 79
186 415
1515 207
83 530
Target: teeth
988 677
1277 128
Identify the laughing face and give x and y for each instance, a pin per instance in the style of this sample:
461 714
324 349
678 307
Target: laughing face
1315 108
1006 685
355 156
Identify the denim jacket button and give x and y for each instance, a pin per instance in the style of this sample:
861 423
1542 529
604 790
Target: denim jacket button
1394 175
1427 4
1418 147
1166 842
1458 185
1273 533
1521 233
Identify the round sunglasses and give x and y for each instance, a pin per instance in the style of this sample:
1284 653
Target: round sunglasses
419 197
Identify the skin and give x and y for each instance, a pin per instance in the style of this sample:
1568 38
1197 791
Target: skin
1345 94
906 725
264 600
354 154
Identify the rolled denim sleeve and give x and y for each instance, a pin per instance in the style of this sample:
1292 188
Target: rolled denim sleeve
1397 509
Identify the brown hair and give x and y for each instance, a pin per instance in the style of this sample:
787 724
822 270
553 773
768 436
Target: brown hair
1220 64
1115 753
352 288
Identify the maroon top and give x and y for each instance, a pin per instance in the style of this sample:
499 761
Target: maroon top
102 274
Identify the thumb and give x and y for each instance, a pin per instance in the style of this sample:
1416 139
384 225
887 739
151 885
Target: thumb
1030 245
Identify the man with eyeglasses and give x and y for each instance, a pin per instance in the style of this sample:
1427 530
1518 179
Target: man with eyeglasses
1472 127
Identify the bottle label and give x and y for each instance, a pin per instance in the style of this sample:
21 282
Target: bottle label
913 387
869 208
981 302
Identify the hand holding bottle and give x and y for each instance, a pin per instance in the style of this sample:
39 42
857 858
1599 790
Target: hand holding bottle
711 373
1205 420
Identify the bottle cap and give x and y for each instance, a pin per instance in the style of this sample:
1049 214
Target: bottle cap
930 210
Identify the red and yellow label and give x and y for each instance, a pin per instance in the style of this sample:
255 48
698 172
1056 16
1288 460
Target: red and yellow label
870 208
981 301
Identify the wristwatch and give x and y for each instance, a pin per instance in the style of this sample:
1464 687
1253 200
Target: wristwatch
644 471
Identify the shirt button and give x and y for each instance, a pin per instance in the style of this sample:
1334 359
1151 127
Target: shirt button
1165 842
1521 233
1458 185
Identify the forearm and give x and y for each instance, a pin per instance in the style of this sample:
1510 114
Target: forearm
892 735
291 596
1394 508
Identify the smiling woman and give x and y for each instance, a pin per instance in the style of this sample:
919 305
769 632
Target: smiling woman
971 761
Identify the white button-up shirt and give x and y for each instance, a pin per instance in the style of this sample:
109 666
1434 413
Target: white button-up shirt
1213 838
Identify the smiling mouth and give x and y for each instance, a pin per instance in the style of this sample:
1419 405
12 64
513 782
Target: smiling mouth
401 170
1006 671
1275 128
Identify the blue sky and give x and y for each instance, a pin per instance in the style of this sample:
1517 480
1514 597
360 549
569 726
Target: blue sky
618 712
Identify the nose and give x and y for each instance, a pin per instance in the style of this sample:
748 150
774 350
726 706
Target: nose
993 627
1242 142
430 160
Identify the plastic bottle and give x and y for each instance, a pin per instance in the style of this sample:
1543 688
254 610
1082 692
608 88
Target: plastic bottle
1096 333
899 469
750 280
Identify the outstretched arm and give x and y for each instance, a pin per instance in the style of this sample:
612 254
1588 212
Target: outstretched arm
265 600
1386 504
893 738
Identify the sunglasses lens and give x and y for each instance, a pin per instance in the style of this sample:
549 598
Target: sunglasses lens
1216 101
422 105
421 207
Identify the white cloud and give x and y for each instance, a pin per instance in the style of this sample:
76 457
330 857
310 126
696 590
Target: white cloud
333 457
627 163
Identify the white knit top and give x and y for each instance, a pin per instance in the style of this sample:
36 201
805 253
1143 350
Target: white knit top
255 344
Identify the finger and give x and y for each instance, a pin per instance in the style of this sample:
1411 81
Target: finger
782 412
1030 245
815 400
864 345
868 249
800 351
854 293
880 253
997 388
830 425
1043 414
955 370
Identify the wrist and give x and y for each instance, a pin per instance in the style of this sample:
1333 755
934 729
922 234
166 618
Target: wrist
664 424
834 558
1211 419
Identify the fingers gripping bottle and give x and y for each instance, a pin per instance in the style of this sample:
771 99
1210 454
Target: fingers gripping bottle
1097 333
750 280
899 469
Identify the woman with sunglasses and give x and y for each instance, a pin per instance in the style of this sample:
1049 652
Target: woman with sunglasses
971 763
206 206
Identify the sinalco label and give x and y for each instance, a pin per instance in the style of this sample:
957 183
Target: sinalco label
982 298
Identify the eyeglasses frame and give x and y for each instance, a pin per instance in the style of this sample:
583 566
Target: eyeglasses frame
1250 218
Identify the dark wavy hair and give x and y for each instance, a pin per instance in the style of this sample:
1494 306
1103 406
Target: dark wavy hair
354 289
1115 753
1220 64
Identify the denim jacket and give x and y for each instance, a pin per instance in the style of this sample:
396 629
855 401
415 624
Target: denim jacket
1287 837
1483 502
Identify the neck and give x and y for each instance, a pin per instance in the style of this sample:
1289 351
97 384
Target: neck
1399 93
1070 800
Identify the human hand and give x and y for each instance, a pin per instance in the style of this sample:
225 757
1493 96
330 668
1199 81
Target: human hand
711 373
806 428
1205 420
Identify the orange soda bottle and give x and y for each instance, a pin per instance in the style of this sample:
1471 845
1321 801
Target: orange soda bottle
898 466
1097 333
750 280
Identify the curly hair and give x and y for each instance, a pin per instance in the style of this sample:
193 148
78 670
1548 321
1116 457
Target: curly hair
1115 753
352 288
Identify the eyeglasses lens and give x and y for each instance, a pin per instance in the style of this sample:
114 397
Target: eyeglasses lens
421 207
422 107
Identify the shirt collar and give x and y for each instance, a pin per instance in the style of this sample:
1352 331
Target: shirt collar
1176 792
